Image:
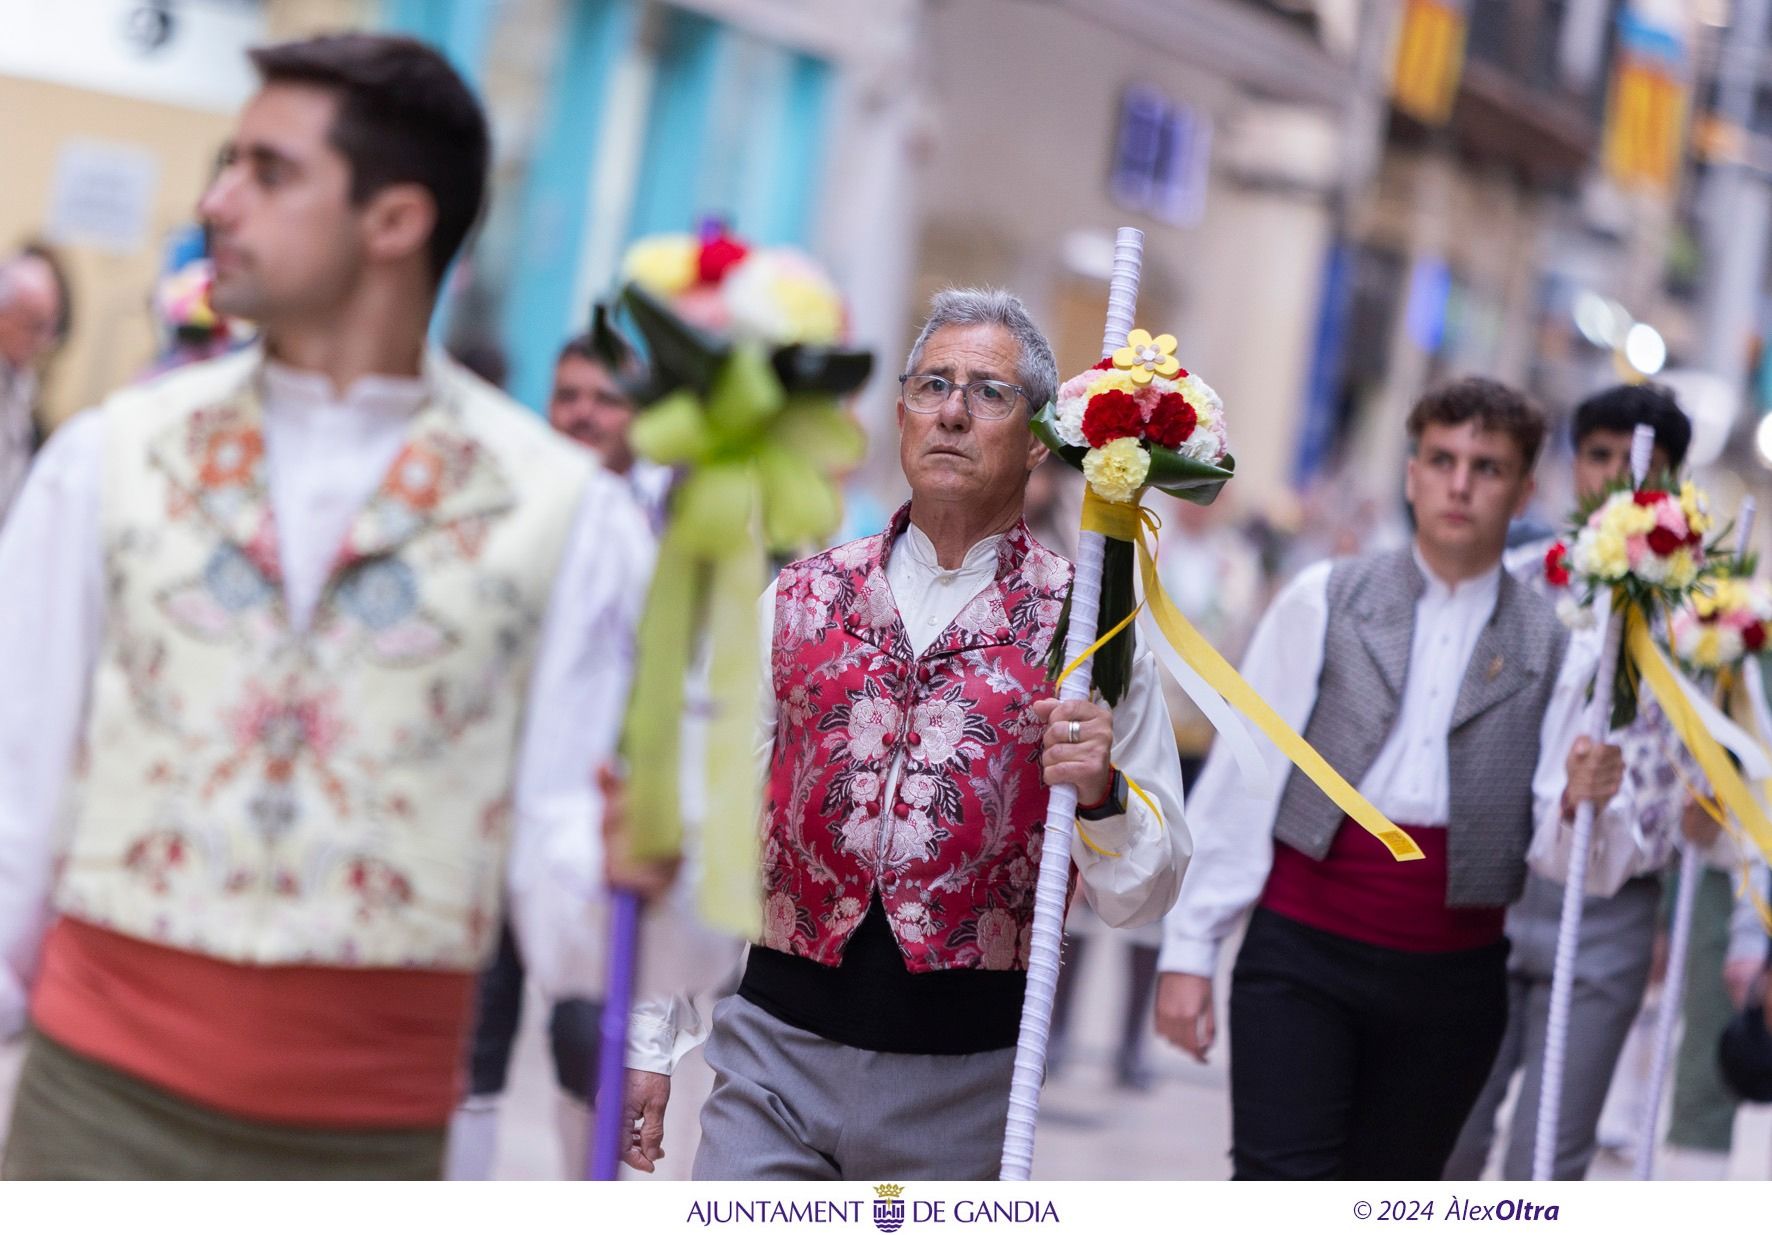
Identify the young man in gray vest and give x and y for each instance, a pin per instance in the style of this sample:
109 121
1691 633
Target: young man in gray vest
1370 995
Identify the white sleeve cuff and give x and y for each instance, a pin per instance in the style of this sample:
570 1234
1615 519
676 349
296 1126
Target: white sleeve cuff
1196 956
652 1039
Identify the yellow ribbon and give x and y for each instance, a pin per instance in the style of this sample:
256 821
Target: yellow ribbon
1130 521
1724 780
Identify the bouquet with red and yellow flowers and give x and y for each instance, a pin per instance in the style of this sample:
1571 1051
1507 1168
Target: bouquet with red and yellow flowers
1645 547
1136 420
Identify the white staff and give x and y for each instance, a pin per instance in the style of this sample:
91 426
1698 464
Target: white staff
1673 988
1061 809
1599 722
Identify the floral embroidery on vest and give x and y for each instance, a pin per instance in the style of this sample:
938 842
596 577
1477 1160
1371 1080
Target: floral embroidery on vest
954 859
357 772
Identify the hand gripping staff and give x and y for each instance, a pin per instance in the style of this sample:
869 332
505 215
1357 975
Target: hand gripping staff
1061 808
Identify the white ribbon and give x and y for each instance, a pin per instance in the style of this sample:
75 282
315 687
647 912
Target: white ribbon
1755 766
1233 730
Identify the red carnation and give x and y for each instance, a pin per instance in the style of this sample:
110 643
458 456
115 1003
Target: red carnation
718 255
1112 414
1173 421
1556 565
1649 497
1754 637
1664 542
1106 362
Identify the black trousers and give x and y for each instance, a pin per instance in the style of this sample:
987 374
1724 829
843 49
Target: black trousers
1352 1061
573 1029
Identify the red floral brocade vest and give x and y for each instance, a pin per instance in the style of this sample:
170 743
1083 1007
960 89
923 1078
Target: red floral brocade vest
955 857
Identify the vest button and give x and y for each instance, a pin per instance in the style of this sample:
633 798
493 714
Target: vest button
889 883
924 673
914 738
901 809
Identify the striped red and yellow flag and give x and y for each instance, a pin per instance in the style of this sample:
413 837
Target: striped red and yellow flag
1430 59
1645 124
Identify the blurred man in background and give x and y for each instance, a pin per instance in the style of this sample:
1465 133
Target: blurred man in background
31 311
592 402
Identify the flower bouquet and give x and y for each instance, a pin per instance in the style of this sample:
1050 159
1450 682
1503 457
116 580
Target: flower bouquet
742 398
1133 421
1719 628
1645 547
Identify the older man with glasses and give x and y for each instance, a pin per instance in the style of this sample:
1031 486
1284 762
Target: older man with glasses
910 739
30 323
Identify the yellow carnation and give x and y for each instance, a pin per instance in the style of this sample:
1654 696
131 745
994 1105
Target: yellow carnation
1624 517
1709 652
1692 504
1116 471
1112 379
1682 570
663 265
1607 556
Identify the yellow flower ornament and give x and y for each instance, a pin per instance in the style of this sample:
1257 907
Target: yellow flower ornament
1144 357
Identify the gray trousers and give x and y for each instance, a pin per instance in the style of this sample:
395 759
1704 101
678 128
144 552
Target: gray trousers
1611 971
790 1105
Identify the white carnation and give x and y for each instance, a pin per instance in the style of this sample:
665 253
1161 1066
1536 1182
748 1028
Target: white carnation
1575 615
1069 421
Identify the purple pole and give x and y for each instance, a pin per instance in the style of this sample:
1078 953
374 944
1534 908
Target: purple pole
609 1136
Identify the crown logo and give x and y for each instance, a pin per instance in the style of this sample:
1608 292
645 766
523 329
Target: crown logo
889 1192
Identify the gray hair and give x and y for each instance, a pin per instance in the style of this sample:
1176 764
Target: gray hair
1036 371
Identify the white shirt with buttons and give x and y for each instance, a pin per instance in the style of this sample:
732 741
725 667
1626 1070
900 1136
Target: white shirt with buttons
1410 780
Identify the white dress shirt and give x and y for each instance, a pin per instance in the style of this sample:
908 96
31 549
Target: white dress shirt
1134 887
325 455
1409 780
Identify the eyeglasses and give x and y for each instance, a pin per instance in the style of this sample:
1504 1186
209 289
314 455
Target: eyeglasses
927 394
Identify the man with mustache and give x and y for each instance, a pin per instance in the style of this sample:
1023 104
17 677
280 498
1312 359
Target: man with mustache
910 739
325 642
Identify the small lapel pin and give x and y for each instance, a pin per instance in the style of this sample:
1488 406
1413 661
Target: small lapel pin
1495 668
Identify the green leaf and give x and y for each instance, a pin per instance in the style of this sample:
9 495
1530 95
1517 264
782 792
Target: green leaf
680 355
1044 426
1188 479
822 369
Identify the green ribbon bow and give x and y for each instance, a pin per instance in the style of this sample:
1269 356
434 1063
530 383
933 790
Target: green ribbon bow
757 437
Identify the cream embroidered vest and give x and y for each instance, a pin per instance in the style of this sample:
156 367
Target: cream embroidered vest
337 796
